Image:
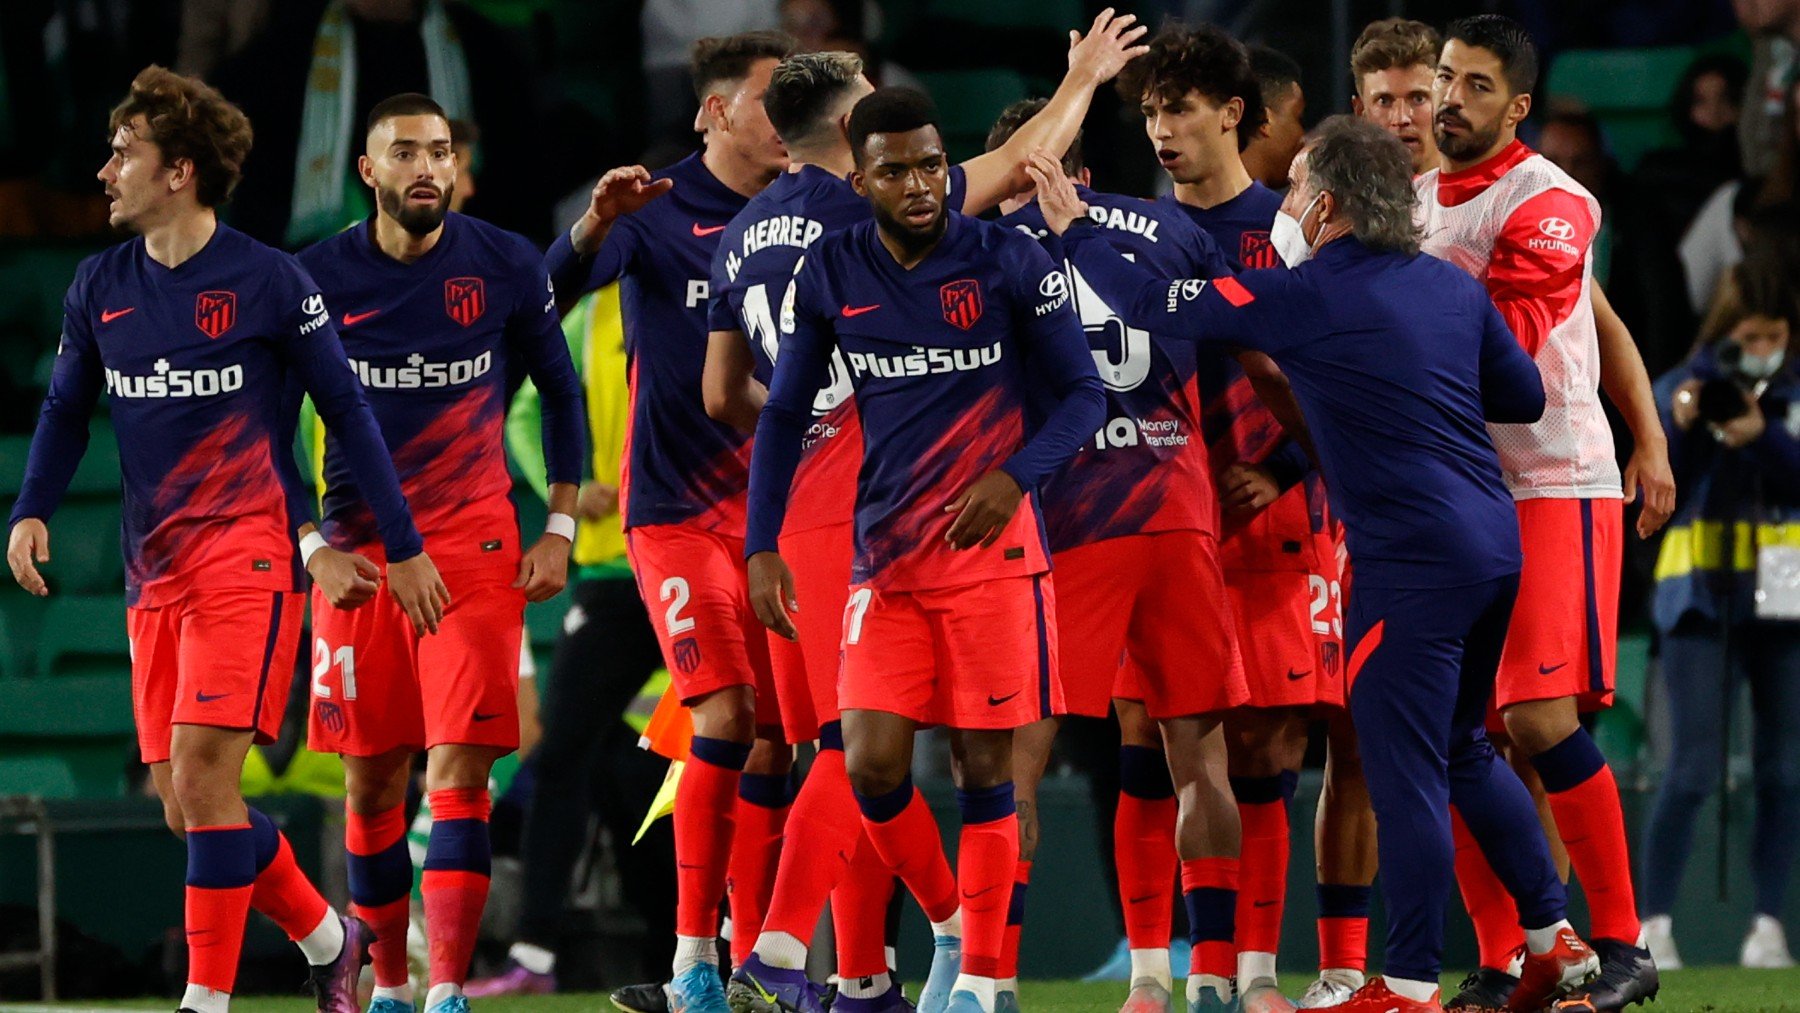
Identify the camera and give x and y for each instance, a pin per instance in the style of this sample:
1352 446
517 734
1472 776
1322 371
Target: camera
1721 398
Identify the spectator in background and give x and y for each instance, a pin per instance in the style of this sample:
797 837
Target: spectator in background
1277 141
323 64
1775 27
1716 239
1732 413
1704 108
465 141
670 28
212 31
1571 138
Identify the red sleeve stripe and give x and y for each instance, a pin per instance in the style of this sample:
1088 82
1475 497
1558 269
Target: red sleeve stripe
1233 291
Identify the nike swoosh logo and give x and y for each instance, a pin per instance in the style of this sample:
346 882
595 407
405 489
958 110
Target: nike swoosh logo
704 232
992 702
857 311
108 316
1544 669
979 893
485 717
1145 897
352 319
1263 903
1293 675
206 698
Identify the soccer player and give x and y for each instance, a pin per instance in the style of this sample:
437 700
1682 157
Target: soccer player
1366 319
1134 514
437 311
1201 104
1511 218
1275 143
203 338
683 494
1394 63
809 99
957 335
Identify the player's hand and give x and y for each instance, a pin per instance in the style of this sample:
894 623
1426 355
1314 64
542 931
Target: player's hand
983 510
772 593
1056 196
1108 46
544 569
27 546
1686 406
1247 488
1745 429
416 585
348 579
596 500
619 192
1649 470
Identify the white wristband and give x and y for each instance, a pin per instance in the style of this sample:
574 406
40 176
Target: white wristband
311 543
560 524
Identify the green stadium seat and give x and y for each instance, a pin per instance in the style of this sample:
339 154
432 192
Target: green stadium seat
1628 89
83 637
98 473
21 617
543 621
84 548
13 449
46 775
969 101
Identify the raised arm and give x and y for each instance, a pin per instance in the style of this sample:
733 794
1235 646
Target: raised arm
1627 385
590 253
57 445
1094 59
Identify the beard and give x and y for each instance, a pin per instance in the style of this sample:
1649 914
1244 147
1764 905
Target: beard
1467 146
416 220
911 239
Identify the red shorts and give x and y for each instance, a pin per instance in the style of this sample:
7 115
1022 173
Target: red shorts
806 672
1289 625
1327 617
695 587
376 687
978 656
1563 640
1160 600
222 658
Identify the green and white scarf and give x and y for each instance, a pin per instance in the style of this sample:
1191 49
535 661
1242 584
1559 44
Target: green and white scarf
323 203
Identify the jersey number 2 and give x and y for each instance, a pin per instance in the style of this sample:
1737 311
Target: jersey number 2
676 588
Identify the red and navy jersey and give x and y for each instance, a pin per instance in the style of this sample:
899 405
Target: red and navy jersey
434 343
948 361
1238 426
1398 361
680 465
205 364
1146 469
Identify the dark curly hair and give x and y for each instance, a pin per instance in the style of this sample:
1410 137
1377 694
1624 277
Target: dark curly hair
1200 58
187 118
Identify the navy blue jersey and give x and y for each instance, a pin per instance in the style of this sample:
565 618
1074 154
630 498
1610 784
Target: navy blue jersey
205 365
946 360
434 342
1240 226
1146 469
680 465
1398 362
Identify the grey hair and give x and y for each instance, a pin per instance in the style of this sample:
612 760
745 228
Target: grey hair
805 90
1369 173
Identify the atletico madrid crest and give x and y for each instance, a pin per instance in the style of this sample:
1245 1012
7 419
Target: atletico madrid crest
215 312
465 299
1256 251
962 302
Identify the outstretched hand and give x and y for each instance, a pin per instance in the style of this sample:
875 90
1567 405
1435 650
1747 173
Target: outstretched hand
619 192
1056 194
1107 47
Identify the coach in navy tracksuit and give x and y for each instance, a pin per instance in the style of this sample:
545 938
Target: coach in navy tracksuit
1398 361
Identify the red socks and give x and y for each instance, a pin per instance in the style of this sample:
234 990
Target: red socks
221 865
1210 887
1491 908
1262 807
987 857
762 811
705 816
458 858
824 816
1015 921
1343 926
282 892
859 912
380 887
905 834
1144 846
1584 798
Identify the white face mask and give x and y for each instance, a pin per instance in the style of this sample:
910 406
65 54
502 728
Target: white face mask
1289 237
1761 367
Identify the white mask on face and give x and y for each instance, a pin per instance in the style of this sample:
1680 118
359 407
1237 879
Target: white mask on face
1761 367
1289 236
